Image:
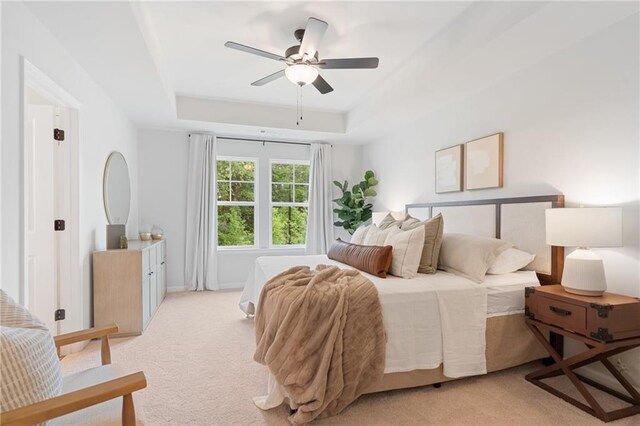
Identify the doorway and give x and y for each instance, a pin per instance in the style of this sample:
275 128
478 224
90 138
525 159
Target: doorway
51 265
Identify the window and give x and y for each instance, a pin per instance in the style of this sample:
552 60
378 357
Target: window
236 202
289 202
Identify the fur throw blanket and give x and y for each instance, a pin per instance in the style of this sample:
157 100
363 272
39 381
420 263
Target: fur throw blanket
321 335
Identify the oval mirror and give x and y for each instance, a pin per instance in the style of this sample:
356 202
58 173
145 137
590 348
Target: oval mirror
116 189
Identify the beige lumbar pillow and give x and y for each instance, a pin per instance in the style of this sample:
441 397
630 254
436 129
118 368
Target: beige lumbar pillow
470 256
376 236
407 251
360 234
433 229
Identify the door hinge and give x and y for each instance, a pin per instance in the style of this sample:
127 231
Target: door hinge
60 314
58 134
58 225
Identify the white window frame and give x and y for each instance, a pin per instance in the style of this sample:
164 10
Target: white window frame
272 204
255 203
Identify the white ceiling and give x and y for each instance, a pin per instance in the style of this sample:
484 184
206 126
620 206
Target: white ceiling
192 38
147 54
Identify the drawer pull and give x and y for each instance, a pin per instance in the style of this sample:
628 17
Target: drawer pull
162 263
558 311
150 273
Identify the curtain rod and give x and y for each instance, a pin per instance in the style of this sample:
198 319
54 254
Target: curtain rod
261 140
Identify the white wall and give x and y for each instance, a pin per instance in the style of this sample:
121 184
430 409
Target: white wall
163 157
346 162
103 128
162 189
571 125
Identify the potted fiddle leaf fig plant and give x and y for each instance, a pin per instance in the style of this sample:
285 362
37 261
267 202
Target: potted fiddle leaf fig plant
353 209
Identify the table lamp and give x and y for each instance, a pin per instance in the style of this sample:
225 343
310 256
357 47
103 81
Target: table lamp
583 228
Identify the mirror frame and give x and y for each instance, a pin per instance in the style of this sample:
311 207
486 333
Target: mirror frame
105 187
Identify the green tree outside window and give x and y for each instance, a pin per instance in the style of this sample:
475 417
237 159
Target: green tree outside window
236 202
289 202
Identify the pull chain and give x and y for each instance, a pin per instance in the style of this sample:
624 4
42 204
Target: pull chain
297 104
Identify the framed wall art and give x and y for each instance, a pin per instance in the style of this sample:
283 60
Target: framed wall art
483 162
449 171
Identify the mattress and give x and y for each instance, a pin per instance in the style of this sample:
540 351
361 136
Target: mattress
505 292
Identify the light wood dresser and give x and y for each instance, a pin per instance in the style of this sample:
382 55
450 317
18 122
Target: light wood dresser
129 285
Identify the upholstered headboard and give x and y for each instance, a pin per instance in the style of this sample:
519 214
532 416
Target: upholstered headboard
519 220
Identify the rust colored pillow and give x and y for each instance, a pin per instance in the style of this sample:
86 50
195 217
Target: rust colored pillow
375 260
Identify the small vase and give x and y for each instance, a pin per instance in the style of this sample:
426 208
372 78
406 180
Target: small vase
157 233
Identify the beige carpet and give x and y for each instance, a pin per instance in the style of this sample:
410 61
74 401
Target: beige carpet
197 356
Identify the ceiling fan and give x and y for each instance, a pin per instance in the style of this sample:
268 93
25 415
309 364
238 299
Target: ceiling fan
302 60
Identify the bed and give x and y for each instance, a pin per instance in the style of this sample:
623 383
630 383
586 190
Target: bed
413 316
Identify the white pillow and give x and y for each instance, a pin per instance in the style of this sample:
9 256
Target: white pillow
30 368
510 260
407 251
469 255
359 235
376 236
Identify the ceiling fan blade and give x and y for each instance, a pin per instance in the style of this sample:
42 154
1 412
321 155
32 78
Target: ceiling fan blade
254 51
313 34
348 63
268 79
322 85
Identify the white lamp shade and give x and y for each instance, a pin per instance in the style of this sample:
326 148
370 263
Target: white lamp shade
584 227
301 74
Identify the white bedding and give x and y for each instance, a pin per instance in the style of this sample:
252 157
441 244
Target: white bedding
505 292
430 320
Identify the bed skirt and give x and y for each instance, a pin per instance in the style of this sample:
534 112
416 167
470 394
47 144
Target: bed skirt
509 343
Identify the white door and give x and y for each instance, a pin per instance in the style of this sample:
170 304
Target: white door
62 210
42 273
159 281
153 289
146 280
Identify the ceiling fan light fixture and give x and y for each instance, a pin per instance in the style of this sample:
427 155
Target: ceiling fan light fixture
301 74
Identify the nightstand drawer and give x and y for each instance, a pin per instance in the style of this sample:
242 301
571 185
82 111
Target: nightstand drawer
561 314
604 318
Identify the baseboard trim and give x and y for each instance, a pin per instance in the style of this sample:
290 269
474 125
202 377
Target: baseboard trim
605 378
223 286
231 286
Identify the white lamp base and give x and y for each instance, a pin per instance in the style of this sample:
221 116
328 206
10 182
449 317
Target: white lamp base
584 273
593 293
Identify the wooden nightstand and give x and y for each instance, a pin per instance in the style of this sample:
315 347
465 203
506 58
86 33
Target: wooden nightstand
608 325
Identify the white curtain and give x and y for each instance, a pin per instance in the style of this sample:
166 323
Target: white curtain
320 218
200 261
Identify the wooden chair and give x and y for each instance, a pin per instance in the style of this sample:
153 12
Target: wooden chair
85 389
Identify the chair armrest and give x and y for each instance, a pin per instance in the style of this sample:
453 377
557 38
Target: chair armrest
74 401
82 335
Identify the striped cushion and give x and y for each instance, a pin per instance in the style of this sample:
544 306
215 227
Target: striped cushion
30 368
407 251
